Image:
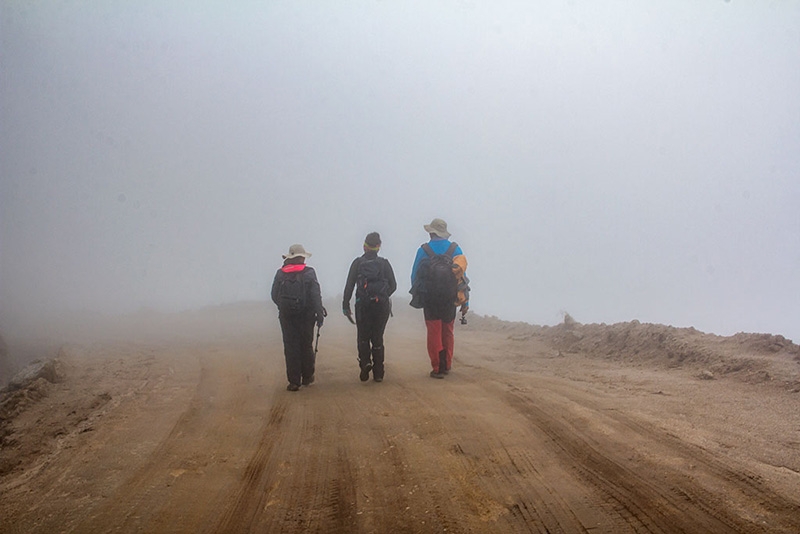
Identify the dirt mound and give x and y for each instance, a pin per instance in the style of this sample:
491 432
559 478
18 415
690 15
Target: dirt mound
26 389
750 357
766 343
22 437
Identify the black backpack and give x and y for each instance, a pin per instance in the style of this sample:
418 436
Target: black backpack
435 283
292 294
371 285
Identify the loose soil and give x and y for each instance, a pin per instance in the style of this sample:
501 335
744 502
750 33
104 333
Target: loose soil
187 427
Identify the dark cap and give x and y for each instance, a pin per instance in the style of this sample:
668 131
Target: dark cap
373 239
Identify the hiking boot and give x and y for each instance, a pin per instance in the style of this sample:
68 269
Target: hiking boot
292 387
445 371
308 381
378 379
364 376
377 362
435 374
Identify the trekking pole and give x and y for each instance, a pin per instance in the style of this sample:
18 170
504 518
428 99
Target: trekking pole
319 327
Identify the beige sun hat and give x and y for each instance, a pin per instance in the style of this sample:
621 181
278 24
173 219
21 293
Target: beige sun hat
438 227
295 251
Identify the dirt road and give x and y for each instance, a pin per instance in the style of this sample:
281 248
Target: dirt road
188 436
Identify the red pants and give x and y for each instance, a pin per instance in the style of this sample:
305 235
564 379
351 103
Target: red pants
440 338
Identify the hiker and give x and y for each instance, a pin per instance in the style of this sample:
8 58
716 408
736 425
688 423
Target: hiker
437 292
374 282
296 292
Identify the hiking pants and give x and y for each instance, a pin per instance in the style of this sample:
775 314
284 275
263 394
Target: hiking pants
371 319
440 322
440 344
298 346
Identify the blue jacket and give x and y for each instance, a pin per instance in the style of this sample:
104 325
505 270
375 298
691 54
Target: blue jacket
439 246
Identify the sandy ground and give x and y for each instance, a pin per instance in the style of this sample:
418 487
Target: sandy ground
621 428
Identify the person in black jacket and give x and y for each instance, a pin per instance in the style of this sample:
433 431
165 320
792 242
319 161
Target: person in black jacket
374 282
296 292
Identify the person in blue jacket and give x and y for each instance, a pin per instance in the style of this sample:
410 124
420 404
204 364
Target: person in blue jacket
439 316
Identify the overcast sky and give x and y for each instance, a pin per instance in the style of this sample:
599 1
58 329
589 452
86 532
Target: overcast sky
617 160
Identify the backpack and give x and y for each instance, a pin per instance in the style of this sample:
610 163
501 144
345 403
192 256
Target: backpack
371 285
292 294
435 283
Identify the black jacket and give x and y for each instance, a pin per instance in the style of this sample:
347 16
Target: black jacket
387 273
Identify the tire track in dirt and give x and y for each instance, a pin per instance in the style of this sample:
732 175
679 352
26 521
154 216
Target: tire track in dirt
306 484
248 500
328 471
458 471
747 489
672 502
153 498
617 498
494 482
642 504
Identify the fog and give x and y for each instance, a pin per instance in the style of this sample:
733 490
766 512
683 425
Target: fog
615 160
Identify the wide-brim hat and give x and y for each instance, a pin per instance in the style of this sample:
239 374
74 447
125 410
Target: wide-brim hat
438 227
295 251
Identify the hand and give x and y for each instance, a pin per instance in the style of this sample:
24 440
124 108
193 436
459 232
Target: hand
346 311
320 320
